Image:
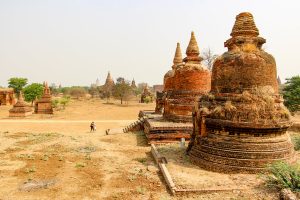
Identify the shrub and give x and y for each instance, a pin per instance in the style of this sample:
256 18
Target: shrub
148 99
64 101
55 103
296 142
77 92
283 175
291 95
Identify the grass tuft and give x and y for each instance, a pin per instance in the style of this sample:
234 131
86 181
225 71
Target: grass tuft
283 175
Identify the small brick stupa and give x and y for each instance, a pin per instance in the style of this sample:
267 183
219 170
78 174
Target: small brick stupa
20 109
240 126
44 105
190 80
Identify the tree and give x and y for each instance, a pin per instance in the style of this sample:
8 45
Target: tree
77 92
208 58
122 89
33 91
17 84
291 93
94 91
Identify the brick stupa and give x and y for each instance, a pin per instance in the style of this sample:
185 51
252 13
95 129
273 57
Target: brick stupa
20 109
240 126
44 105
182 85
189 81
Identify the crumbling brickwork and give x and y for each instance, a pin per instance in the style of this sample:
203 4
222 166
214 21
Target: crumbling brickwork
240 126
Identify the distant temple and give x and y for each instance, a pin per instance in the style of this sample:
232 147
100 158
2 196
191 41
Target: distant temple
97 82
146 94
109 82
133 85
278 80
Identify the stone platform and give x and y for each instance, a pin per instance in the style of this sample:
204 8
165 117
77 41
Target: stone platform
158 130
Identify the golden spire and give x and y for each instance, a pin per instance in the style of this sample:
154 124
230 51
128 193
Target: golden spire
192 49
244 25
178 56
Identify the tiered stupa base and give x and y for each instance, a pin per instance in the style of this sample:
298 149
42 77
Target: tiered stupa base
240 132
44 108
235 148
20 114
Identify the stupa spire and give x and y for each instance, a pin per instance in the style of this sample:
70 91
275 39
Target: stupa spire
244 25
178 56
192 49
46 88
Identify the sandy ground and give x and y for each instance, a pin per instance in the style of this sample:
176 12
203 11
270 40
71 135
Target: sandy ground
56 157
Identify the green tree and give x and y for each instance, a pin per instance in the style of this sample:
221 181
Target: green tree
17 84
33 91
122 90
94 91
291 93
64 101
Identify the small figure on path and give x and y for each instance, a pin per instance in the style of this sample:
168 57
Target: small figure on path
93 127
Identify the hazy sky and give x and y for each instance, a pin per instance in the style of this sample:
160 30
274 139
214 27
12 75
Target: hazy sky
74 42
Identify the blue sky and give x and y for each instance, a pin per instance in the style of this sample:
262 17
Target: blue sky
74 42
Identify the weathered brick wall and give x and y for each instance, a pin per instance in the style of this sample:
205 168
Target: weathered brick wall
189 84
238 71
168 84
192 80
